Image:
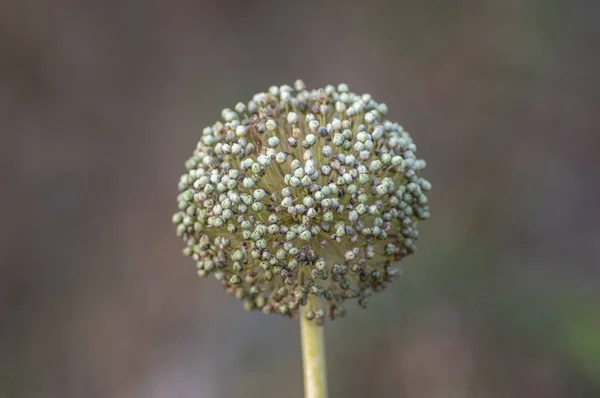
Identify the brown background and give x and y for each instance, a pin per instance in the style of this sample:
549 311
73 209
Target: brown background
102 101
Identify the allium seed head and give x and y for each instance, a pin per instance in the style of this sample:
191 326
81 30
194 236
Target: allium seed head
302 195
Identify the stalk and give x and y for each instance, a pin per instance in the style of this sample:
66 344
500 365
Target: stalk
313 357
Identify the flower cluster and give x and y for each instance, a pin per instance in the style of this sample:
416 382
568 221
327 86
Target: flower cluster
302 197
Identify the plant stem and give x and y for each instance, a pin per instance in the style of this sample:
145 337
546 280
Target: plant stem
313 357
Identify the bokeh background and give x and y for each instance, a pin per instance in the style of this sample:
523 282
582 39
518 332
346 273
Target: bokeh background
102 101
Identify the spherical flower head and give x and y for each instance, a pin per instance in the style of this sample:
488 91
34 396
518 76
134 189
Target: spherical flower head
302 197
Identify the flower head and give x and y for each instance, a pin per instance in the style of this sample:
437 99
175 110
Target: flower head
302 196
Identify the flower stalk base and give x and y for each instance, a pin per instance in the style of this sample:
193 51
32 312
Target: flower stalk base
313 357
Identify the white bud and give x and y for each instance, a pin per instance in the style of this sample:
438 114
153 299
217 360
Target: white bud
378 132
273 141
240 131
311 139
271 125
224 112
240 107
281 157
336 124
248 182
342 88
292 117
230 116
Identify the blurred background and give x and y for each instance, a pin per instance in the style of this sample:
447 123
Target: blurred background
101 102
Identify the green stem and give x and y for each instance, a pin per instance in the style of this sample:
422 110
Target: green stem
313 356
